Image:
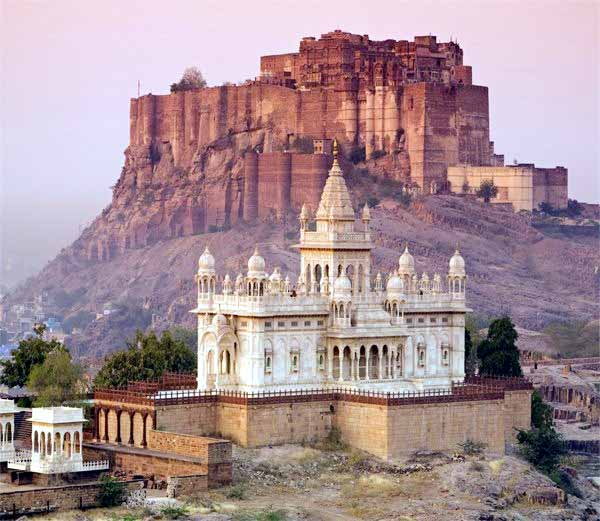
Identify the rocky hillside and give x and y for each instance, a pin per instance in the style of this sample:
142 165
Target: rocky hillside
512 267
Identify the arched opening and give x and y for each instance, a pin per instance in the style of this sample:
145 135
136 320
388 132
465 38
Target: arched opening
77 443
350 274
318 276
48 444
321 362
361 275
1 434
42 444
336 362
374 363
8 433
399 364
362 363
57 443
308 280
67 449
210 368
268 364
385 362
347 364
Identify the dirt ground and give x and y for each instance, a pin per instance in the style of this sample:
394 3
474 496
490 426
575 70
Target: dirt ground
294 483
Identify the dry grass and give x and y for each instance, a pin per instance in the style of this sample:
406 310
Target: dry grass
364 511
373 485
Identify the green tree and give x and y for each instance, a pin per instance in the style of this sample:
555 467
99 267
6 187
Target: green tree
574 207
145 358
57 380
546 208
192 79
31 352
487 190
542 447
112 491
498 353
541 412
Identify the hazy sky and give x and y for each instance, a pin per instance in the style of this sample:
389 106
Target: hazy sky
69 69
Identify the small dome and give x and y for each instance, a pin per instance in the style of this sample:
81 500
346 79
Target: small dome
206 262
239 279
394 284
227 279
342 284
256 265
456 266
406 263
219 320
275 276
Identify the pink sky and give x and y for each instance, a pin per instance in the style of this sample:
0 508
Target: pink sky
69 69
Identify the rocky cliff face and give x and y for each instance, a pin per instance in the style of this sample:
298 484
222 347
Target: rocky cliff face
512 267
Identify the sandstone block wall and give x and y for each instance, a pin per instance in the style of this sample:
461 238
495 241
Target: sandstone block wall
443 426
197 419
363 426
209 450
287 423
517 413
182 486
69 497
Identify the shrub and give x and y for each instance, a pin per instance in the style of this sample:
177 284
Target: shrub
477 466
487 190
333 441
112 491
564 481
471 447
174 512
237 491
541 413
290 236
542 447
267 514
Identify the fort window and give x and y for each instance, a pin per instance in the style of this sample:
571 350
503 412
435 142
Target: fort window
243 324
295 363
411 104
268 364
319 322
433 320
321 362
421 320
445 320
268 324
307 322
280 324
409 320
421 355
294 323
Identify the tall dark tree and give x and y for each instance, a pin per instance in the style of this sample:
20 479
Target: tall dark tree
146 357
541 412
487 190
468 351
498 353
31 352
192 79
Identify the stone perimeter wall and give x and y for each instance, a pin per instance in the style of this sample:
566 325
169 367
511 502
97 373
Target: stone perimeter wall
386 431
69 497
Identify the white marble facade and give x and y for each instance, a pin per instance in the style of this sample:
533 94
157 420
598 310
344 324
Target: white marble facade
337 325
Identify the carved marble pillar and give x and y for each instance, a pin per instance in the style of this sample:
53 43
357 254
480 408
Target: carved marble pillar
368 362
380 358
118 438
330 363
105 437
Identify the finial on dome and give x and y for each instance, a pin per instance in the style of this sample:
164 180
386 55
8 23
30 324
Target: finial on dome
335 148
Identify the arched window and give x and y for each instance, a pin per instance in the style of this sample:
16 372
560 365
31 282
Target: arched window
8 434
321 362
295 363
36 442
268 367
77 441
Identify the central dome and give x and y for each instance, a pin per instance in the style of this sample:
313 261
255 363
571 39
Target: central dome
206 262
256 265
406 263
342 284
456 266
